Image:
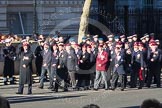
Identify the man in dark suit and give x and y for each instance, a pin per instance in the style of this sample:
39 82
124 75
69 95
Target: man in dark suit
154 58
62 72
83 77
118 70
46 64
72 64
137 62
54 64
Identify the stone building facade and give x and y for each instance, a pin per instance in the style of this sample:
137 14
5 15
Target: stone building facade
21 16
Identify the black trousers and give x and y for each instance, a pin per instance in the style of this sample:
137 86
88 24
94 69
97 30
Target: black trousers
134 74
61 76
21 88
58 84
154 71
38 64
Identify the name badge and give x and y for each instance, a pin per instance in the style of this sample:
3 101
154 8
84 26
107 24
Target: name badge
118 58
83 56
78 56
154 55
138 55
102 57
111 52
69 57
56 57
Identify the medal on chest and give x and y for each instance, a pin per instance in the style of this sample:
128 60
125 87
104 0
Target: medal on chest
118 58
138 56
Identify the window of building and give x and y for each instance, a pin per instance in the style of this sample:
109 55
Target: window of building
148 3
20 23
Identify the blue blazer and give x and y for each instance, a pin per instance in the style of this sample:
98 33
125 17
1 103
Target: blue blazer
120 61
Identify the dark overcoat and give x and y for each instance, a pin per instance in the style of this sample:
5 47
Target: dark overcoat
26 73
9 54
62 72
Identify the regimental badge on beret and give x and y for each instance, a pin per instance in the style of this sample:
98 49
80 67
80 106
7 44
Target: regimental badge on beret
122 36
142 38
110 36
129 37
95 36
146 35
60 44
135 35
7 40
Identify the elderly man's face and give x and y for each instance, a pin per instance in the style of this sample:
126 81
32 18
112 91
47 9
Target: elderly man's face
95 39
136 48
68 48
46 46
61 39
134 38
147 39
143 41
8 44
129 40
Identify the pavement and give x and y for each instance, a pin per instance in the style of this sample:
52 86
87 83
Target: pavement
44 98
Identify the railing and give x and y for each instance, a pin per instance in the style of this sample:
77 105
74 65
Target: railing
139 21
142 21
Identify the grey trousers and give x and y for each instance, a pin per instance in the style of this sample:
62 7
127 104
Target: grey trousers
115 78
21 88
72 78
100 75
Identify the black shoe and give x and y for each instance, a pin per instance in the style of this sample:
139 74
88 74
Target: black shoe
65 90
132 86
41 87
95 89
148 86
54 90
122 89
113 89
158 86
19 93
29 93
81 89
50 87
139 87
74 89
106 89
5 83
12 82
